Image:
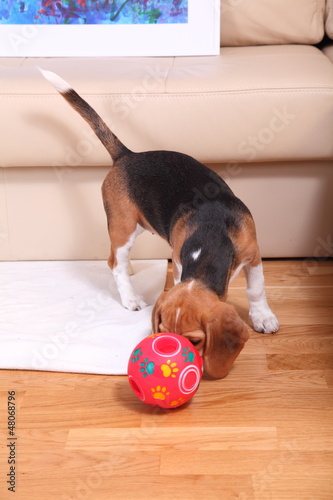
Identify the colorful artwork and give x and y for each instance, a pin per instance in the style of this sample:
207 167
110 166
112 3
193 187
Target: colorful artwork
47 12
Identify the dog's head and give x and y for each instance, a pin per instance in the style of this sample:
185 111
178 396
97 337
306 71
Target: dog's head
214 327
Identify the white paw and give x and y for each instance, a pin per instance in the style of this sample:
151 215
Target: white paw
134 303
264 322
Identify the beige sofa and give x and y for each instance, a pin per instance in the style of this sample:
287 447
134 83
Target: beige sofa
260 114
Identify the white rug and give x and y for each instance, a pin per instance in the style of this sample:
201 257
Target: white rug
67 316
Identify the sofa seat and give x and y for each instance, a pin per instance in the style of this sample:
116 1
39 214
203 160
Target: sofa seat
261 116
264 103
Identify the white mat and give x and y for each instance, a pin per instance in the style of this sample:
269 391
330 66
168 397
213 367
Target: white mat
67 316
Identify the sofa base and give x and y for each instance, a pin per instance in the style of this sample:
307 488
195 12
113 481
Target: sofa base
57 213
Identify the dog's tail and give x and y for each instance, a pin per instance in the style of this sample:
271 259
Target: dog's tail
109 140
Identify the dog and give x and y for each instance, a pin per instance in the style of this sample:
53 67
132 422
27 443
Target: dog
211 232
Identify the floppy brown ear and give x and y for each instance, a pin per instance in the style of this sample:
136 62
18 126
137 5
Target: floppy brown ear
226 335
156 314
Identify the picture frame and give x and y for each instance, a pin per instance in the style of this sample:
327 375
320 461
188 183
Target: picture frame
198 35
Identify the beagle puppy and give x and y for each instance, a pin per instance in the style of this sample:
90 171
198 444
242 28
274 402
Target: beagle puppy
211 232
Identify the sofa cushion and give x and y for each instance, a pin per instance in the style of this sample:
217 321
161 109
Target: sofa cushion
268 103
254 22
329 18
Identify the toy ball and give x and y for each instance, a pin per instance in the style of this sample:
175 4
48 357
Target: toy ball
165 370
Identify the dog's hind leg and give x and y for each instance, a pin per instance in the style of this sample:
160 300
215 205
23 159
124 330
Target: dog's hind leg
119 264
123 229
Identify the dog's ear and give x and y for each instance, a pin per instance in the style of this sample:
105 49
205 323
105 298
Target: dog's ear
157 313
226 335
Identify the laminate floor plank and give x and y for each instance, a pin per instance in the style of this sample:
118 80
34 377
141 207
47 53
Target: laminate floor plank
263 432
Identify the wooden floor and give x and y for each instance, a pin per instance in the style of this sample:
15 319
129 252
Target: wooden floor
264 432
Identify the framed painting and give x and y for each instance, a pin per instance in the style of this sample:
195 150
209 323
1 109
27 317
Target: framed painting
60 28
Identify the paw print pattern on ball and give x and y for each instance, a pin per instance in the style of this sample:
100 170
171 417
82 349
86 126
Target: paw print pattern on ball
147 367
178 402
136 355
160 392
154 335
188 355
169 369
164 370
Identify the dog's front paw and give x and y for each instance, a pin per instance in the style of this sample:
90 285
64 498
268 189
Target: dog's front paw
134 303
264 322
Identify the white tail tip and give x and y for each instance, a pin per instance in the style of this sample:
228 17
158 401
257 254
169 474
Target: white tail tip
58 83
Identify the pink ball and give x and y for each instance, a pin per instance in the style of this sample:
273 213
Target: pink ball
165 370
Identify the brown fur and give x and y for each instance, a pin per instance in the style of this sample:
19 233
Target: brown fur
214 326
